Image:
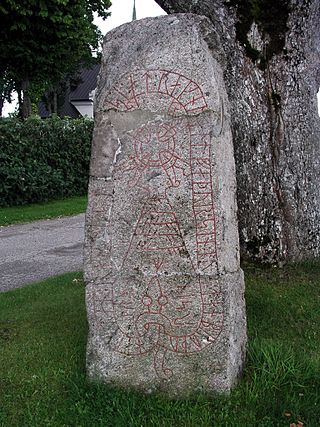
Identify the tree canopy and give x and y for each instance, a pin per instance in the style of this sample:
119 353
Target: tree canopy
42 40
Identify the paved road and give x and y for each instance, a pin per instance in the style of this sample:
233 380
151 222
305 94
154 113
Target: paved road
35 251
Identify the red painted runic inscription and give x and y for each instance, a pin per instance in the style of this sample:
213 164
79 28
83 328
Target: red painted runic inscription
184 95
175 308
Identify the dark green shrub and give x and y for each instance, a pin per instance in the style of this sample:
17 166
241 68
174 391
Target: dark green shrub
41 160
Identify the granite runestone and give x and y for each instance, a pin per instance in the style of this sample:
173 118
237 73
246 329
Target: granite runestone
164 288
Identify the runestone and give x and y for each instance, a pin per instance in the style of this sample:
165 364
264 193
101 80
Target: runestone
164 289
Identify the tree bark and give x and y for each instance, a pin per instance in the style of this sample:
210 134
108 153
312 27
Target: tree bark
272 77
55 102
49 106
19 93
26 109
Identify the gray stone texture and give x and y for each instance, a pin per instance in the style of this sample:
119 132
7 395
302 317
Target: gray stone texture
164 287
272 79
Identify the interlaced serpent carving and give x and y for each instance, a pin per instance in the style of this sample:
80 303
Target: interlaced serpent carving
163 312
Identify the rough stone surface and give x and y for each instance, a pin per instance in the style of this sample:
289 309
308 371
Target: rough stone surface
164 286
272 76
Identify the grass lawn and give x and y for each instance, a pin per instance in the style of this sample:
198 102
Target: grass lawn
53 209
42 361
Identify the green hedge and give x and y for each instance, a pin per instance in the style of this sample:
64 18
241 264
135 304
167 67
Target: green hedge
41 160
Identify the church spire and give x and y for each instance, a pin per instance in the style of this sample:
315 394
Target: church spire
134 13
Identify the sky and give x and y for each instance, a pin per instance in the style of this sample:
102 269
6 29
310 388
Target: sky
121 12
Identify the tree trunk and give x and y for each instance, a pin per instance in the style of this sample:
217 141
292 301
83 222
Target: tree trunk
55 102
19 93
1 105
272 77
49 107
26 110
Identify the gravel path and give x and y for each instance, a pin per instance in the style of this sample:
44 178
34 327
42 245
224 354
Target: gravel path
35 251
